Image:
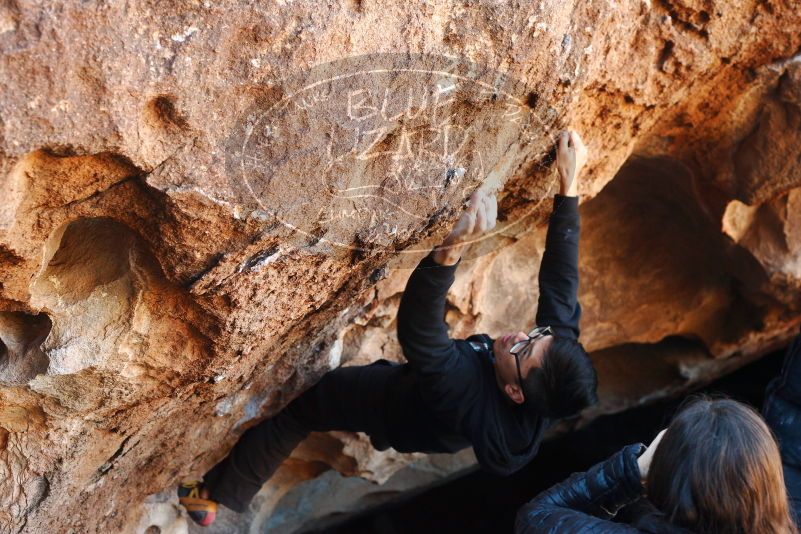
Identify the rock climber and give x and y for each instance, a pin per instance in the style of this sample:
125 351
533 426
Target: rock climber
496 395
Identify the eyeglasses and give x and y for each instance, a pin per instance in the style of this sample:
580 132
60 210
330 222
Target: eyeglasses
538 333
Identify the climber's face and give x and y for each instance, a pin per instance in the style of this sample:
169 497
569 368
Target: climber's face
529 349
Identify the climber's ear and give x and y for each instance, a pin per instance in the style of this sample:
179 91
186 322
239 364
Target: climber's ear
514 392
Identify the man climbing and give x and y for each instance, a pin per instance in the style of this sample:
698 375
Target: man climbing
498 396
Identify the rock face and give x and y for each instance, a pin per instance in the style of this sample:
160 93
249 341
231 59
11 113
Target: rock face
207 205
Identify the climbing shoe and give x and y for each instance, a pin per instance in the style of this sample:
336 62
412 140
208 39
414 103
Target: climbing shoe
202 511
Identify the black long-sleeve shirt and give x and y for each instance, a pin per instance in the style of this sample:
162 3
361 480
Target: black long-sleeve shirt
558 305
447 397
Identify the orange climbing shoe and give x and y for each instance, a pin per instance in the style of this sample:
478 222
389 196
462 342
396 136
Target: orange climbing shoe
202 511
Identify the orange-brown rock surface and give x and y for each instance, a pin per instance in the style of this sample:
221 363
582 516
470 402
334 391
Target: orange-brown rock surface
205 205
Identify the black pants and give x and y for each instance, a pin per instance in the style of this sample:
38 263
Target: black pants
350 399
782 412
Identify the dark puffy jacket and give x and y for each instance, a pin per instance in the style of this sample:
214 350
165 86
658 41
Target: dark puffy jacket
585 502
782 412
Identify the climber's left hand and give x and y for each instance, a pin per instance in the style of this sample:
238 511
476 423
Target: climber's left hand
571 156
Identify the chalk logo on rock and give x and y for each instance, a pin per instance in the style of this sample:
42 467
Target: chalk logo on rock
364 152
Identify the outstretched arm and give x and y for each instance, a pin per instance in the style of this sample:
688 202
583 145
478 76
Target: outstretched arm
558 305
422 331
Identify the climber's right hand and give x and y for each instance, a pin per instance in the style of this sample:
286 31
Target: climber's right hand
571 156
480 217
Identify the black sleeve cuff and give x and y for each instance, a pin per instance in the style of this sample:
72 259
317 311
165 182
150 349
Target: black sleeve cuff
632 478
437 270
622 480
563 205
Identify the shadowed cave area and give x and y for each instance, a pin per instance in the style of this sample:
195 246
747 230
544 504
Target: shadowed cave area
659 275
651 250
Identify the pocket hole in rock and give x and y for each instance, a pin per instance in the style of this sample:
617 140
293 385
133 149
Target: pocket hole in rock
21 338
93 270
161 112
83 255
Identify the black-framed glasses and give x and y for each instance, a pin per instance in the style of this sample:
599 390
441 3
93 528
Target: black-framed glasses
520 346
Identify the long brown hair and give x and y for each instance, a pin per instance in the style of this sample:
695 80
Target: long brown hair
718 470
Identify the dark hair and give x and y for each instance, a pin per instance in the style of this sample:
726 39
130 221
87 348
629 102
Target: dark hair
718 470
564 384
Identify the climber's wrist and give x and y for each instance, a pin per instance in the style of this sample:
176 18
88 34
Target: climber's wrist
449 252
569 187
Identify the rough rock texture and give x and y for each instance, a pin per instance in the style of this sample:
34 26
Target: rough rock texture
178 259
